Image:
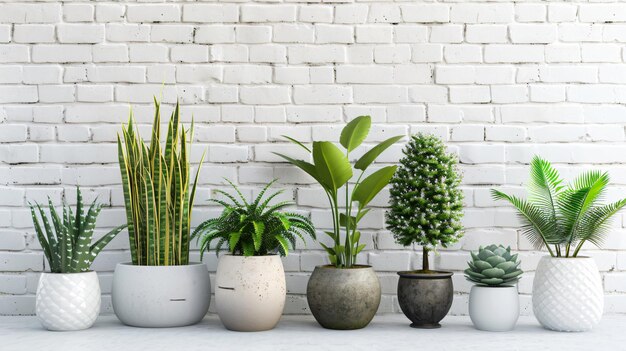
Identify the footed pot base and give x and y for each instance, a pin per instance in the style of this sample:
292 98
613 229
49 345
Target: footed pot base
426 326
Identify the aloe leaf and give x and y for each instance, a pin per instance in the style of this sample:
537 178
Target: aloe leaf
355 132
104 241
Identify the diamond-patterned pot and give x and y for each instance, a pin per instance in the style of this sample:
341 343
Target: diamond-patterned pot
567 293
68 301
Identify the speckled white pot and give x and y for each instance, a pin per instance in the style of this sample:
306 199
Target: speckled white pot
567 293
161 296
68 301
250 292
494 308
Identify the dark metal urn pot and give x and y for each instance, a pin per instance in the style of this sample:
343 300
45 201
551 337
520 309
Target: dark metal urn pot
343 298
425 298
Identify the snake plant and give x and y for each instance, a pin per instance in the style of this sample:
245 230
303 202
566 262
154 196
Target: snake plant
563 217
157 193
67 242
332 169
253 228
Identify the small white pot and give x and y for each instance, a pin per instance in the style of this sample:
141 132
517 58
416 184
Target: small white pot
494 308
250 292
567 293
68 301
161 296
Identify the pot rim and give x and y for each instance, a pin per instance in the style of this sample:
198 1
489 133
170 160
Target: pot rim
417 275
69 273
494 287
566 258
180 266
356 266
231 255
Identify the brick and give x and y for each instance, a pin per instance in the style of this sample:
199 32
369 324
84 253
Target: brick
209 13
80 33
153 13
33 33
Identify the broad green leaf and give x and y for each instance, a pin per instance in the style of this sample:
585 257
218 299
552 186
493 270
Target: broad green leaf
297 143
303 165
372 154
331 165
328 249
355 132
359 249
362 214
342 220
372 185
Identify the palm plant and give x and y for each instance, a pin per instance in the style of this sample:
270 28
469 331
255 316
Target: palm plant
157 197
67 242
331 168
563 217
253 229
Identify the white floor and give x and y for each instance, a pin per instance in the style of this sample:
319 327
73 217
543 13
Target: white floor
295 333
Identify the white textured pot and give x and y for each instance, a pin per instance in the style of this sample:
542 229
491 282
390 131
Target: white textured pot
161 296
494 308
68 301
250 292
567 293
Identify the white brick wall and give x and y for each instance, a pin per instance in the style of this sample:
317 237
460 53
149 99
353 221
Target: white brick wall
499 81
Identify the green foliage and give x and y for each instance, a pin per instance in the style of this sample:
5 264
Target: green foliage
67 242
253 229
156 192
563 217
493 266
331 168
426 204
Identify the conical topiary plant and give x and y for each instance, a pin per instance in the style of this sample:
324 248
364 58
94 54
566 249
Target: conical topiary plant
426 203
493 266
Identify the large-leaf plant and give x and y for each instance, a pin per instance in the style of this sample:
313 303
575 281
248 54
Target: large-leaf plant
254 228
332 169
563 217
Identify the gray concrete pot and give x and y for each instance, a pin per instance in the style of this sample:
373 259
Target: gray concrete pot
161 296
343 298
425 298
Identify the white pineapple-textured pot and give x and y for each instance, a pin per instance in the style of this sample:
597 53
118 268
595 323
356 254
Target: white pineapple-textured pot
161 296
250 292
494 308
68 301
567 293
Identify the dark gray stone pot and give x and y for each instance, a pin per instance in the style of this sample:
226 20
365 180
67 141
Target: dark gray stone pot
343 298
425 298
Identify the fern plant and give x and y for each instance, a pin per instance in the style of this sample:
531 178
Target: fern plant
253 228
563 217
156 186
67 242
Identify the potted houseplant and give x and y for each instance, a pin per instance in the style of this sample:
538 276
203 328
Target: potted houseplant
495 271
250 281
68 298
344 294
160 288
426 206
567 288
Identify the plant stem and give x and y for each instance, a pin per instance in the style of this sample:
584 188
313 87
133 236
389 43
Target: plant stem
425 265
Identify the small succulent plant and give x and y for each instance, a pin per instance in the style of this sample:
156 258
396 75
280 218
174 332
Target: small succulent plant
493 266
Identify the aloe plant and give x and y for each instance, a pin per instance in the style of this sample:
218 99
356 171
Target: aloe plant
563 217
253 229
156 186
332 169
67 242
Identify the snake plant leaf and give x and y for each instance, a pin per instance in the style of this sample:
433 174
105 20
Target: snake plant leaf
373 153
297 143
331 165
355 132
372 185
